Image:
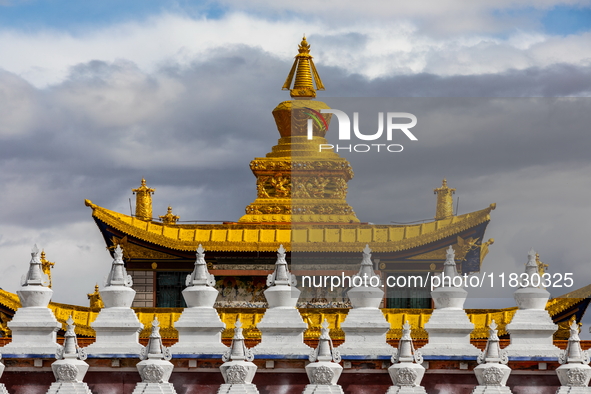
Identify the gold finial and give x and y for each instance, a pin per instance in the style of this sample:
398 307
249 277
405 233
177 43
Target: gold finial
46 266
445 201
143 201
169 218
305 71
96 302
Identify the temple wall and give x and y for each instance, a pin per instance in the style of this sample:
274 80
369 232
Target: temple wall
143 284
207 381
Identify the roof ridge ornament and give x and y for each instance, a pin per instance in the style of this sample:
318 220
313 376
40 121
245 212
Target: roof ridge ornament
200 275
305 74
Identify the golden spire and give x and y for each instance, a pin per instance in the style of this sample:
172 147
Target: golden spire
304 70
143 201
445 201
46 266
169 218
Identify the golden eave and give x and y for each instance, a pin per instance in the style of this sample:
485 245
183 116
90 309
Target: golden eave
237 237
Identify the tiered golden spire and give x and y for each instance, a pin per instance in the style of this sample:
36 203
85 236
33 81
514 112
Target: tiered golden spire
297 182
305 71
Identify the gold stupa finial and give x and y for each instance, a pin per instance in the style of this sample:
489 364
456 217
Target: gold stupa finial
305 74
444 201
143 201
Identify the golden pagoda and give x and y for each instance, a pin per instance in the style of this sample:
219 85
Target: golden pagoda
300 204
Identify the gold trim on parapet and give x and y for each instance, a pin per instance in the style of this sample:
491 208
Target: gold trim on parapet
305 238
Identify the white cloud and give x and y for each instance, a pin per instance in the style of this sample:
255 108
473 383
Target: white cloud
376 49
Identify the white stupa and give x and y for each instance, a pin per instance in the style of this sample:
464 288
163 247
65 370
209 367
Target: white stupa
238 370
33 326
406 370
532 329
200 327
365 326
117 326
492 371
324 369
449 327
574 373
70 367
155 367
282 326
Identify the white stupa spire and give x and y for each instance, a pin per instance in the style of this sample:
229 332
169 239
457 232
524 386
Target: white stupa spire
200 275
155 350
70 349
325 350
238 350
450 269
35 275
366 269
281 274
118 274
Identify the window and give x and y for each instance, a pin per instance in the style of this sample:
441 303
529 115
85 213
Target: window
169 287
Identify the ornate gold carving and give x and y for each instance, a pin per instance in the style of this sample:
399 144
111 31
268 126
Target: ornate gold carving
96 301
46 266
444 201
169 218
154 266
282 186
143 201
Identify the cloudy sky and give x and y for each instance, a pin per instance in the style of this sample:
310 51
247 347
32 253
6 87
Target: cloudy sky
96 95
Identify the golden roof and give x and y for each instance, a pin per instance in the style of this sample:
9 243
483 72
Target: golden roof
238 237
